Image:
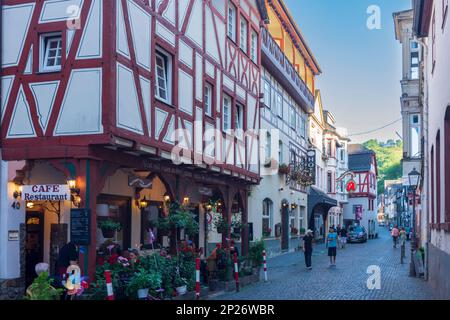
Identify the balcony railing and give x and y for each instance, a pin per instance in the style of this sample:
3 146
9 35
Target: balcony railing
279 65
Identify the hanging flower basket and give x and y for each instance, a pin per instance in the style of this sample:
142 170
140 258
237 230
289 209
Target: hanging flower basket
108 234
109 228
284 169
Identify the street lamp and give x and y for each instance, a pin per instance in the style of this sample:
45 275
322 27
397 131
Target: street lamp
414 177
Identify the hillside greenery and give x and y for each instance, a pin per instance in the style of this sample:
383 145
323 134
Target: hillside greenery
389 155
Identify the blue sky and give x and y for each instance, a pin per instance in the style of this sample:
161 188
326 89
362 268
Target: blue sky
361 68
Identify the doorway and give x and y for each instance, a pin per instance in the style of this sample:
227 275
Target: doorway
119 210
34 243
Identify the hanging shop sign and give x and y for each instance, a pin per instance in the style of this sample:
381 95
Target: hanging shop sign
351 186
46 192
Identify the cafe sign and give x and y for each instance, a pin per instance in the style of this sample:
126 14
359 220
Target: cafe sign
46 192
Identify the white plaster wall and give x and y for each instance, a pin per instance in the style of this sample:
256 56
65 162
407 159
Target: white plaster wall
9 220
367 215
439 99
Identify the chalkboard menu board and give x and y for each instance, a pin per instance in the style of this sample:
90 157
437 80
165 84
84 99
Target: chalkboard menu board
80 226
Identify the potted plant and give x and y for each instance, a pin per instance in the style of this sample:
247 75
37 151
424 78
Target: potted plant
302 231
109 228
267 232
221 224
143 281
42 289
284 169
180 285
294 231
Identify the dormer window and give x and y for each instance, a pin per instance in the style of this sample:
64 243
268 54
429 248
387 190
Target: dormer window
51 52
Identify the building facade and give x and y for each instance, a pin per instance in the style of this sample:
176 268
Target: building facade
278 205
362 208
432 27
328 195
132 102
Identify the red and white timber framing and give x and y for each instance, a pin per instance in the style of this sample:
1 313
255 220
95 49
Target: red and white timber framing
104 94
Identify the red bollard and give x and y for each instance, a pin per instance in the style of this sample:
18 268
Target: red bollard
236 271
197 278
265 265
109 286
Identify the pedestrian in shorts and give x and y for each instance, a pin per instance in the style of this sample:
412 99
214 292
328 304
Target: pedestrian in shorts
332 246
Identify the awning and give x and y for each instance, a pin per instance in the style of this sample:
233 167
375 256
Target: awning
317 197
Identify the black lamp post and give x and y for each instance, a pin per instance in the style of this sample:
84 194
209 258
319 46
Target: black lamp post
414 177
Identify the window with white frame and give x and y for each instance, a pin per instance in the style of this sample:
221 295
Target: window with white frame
267 93
415 57
163 74
279 102
244 34
231 21
415 147
268 150
280 152
51 52
254 46
267 217
226 114
292 118
239 117
208 99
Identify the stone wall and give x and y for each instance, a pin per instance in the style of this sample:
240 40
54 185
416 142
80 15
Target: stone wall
439 277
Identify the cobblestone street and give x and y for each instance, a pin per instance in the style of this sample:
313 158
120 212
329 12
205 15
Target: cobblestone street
288 278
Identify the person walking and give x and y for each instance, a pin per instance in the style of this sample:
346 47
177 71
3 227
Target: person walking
402 236
343 237
408 232
395 233
332 246
307 248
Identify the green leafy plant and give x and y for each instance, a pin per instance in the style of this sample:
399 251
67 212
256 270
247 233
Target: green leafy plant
179 218
110 225
220 223
41 289
284 169
143 279
255 253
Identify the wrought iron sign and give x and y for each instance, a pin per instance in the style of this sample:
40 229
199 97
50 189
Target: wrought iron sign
302 169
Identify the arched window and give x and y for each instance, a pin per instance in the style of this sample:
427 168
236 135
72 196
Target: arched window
267 218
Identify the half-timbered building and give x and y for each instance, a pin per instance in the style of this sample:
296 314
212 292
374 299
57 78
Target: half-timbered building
362 208
135 102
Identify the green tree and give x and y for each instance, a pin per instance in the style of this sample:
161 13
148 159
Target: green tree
389 157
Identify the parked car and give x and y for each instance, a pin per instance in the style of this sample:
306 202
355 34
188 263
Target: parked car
357 234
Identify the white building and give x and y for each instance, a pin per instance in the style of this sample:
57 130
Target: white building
328 195
431 25
278 205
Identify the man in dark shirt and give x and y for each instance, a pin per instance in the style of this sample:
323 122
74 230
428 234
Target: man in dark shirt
68 255
307 248
343 237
